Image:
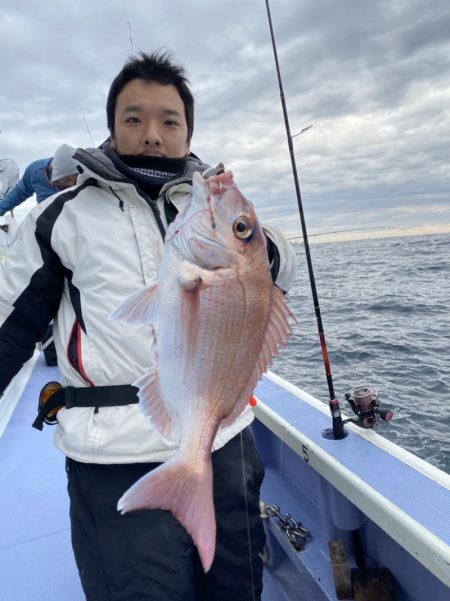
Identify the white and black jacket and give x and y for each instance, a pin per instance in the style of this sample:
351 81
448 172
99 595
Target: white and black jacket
76 257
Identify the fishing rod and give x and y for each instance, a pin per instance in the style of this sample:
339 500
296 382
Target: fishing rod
130 38
338 426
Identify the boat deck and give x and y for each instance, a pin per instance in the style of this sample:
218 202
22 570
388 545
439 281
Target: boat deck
362 482
36 560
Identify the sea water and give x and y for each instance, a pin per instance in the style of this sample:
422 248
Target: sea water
385 312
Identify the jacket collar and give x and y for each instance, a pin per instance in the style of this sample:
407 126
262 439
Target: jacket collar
101 166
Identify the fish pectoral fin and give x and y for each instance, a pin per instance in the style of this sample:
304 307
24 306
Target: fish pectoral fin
138 308
151 405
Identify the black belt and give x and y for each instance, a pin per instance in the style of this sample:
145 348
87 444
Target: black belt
98 396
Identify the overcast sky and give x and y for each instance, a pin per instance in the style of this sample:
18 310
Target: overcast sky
371 77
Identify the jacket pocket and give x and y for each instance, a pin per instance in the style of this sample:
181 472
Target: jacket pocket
74 354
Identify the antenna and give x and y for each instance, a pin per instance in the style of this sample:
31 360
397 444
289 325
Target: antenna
86 124
131 37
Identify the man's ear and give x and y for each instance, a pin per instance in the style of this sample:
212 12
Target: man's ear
112 141
187 147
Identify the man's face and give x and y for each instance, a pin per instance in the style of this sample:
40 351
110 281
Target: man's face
150 120
65 182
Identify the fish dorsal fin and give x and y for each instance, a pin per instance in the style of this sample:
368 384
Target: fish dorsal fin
138 308
152 406
277 331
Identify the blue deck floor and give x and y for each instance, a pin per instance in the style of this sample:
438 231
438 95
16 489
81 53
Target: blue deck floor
36 561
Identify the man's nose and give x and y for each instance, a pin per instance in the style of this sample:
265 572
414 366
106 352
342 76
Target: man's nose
152 135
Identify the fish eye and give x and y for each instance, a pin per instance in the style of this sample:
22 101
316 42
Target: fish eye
242 228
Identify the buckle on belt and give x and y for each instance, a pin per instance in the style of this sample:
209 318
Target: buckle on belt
51 400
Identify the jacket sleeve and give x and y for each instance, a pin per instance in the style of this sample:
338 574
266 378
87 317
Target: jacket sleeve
283 262
21 191
31 284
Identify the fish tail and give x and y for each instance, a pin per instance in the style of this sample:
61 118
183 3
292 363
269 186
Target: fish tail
186 491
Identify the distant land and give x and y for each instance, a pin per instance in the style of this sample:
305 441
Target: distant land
369 233
334 235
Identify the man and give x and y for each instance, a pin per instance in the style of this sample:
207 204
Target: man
43 177
93 246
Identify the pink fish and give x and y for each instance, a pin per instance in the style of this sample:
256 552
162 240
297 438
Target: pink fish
218 321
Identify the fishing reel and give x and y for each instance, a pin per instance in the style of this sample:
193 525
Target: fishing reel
364 402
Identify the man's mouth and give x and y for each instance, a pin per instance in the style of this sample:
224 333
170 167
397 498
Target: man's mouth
152 153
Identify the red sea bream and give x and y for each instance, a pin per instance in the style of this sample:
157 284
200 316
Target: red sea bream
218 321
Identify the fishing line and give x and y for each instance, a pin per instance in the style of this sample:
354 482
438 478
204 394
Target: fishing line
249 539
338 428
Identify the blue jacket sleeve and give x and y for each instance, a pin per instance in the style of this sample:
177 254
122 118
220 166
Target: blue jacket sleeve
21 191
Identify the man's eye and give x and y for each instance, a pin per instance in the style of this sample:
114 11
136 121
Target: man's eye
132 120
171 122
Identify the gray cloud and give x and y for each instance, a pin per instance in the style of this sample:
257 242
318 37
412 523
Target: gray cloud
372 79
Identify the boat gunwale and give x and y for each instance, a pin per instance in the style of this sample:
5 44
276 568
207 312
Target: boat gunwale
427 548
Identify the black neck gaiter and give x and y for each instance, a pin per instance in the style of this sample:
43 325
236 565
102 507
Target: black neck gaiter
151 173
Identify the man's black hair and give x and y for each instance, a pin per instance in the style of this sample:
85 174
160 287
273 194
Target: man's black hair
160 67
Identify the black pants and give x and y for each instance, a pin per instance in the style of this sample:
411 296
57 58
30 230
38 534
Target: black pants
147 555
